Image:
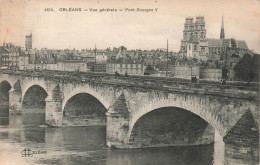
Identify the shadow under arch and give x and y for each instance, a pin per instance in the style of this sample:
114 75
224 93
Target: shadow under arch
70 93
5 87
188 105
27 86
33 100
170 126
84 109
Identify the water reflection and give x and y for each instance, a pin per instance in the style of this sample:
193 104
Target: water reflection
241 155
173 155
76 138
85 145
4 113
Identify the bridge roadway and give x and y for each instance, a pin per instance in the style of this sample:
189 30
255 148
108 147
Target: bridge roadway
163 83
129 98
83 75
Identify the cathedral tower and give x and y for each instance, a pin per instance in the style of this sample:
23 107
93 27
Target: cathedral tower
200 31
188 28
222 33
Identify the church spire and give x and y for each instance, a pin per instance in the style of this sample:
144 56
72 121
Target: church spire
222 33
222 25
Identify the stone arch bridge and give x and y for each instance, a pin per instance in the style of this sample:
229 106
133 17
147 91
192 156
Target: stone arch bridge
128 99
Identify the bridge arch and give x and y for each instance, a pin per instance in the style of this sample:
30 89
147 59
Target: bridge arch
69 94
37 96
7 81
5 87
28 85
213 120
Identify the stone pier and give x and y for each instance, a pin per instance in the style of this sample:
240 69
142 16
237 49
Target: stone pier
118 124
15 99
54 114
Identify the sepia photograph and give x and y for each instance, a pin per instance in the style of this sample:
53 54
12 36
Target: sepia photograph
129 82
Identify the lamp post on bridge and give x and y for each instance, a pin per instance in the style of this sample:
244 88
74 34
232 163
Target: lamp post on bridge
34 60
42 64
191 74
167 60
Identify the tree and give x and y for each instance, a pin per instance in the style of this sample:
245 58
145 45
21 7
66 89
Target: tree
243 69
224 73
254 68
149 70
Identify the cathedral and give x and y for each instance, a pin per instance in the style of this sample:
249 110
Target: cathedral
195 43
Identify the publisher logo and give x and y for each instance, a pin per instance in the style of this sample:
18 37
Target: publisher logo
27 152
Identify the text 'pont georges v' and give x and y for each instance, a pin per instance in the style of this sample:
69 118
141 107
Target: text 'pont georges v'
71 9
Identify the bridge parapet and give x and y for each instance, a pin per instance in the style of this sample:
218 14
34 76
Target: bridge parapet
232 89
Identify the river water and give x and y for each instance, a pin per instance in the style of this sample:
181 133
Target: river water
86 145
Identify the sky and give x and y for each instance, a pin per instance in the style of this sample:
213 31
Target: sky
134 30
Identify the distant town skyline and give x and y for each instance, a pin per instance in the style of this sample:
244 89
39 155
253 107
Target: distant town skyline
134 30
